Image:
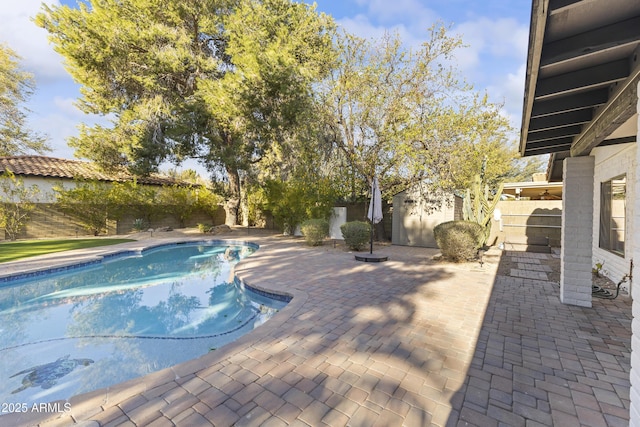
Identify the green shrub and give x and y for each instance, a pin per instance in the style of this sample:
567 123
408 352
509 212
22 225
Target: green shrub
459 240
291 202
356 234
139 224
315 230
205 228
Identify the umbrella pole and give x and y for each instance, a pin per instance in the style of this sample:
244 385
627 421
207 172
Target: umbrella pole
373 203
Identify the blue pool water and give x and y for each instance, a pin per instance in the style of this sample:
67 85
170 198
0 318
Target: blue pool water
65 334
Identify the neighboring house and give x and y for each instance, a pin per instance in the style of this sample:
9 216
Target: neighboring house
581 105
533 190
415 217
47 172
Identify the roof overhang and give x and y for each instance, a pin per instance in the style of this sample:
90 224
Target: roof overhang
583 69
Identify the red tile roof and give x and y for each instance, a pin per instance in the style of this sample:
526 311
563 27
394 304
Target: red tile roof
51 167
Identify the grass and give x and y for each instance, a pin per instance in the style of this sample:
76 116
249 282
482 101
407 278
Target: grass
10 251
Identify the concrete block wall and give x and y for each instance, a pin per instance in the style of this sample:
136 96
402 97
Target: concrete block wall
610 162
577 237
125 224
528 222
48 222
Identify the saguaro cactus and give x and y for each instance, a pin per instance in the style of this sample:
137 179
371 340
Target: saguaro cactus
479 208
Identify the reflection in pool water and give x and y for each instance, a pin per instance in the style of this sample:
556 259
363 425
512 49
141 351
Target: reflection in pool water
67 334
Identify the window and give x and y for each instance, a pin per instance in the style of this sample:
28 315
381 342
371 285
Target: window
612 214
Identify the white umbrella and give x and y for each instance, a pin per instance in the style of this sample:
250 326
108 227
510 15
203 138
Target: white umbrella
375 208
375 205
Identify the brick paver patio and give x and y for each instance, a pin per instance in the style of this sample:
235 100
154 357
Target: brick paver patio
408 342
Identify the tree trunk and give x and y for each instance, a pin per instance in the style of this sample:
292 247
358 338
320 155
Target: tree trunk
232 205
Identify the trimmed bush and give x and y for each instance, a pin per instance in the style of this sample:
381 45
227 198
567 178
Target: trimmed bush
315 230
459 240
356 234
205 228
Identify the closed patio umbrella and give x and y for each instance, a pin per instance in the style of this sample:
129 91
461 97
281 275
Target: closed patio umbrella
375 208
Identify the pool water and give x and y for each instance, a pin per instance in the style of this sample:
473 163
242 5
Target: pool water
65 334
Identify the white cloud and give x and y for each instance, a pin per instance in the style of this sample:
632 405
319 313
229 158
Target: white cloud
484 37
411 11
58 128
29 41
409 18
67 107
510 91
361 26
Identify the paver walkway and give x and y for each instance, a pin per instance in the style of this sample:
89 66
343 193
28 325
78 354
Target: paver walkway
407 342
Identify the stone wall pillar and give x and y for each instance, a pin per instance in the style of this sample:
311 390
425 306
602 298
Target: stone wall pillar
577 234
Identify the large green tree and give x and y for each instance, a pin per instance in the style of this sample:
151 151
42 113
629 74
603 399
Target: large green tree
405 115
16 85
139 63
277 50
220 80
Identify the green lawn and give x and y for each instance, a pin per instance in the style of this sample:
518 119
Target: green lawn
10 251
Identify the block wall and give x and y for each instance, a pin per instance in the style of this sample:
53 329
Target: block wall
577 237
532 222
48 222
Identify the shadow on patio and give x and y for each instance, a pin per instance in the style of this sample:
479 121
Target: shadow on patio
540 361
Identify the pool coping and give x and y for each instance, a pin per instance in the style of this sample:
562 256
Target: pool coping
64 267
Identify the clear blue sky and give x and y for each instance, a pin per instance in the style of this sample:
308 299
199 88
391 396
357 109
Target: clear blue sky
495 32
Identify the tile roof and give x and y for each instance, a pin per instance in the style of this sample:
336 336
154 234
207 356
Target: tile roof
51 167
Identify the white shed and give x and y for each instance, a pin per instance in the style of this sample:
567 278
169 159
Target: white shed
415 215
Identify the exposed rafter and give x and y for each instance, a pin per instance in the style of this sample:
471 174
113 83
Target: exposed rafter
614 36
582 74
600 76
577 101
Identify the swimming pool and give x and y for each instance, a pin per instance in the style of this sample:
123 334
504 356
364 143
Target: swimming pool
129 315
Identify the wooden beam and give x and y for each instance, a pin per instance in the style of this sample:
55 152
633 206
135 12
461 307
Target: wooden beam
612 36
580 80
546 135
577 101
538 145
618 110
536 38
547 149
571 118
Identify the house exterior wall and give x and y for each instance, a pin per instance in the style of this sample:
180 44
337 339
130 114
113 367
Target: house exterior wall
45 187
414 218
610 162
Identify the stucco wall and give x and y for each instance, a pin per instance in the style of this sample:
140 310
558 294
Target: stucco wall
45 187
